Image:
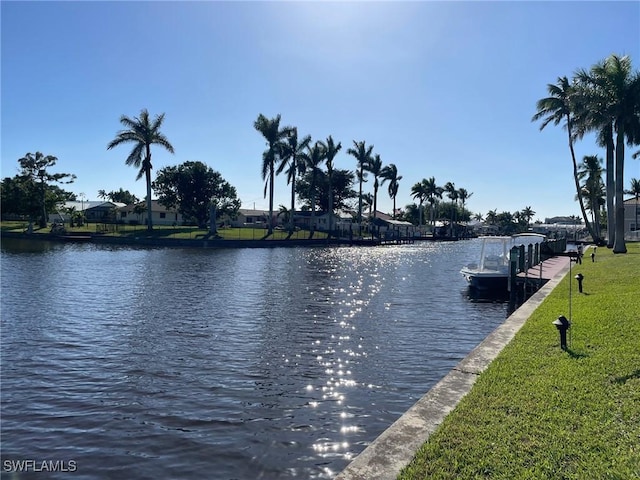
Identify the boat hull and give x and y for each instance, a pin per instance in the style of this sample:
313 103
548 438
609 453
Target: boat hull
492 283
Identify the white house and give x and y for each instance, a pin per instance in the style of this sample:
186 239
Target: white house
160 215
389 228
632 218
252 218
94 211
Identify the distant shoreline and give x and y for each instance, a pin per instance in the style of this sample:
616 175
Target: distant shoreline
204 243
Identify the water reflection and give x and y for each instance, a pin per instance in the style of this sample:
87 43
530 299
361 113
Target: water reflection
274 363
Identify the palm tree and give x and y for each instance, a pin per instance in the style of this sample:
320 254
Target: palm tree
143 133
622 90
434 192
591 172
557 107
292 155
275 138
491 217
411 213
313 158
590 95
285 213
362 154
595 199
390 172
505 221
367 202
464 195
453 195
635 191
375 168
331 150
527 214
419 192
478 217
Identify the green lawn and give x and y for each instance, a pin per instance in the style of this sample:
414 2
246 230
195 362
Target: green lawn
539 412
161 231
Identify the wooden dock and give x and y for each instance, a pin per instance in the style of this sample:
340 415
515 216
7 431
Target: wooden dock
529 281
545 270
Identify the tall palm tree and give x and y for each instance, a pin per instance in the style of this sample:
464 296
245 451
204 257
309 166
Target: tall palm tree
362 154
464 195
390 173
556 108
622 89
142 132
331 150
591 173
453 195
275 137
292 155
375 168
635 191
450 189
419 192
313 158
590 95
434 192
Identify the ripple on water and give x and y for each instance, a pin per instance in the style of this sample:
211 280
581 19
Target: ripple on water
270 363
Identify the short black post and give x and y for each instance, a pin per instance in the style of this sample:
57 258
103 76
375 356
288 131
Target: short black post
579 277
593 256
562 324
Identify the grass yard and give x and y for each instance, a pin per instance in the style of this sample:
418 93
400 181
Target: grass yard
539 412
162 231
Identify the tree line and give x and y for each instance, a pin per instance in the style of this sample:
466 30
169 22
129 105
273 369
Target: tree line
190 187
329 189
604 100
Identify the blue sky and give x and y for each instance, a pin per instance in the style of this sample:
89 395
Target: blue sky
443 89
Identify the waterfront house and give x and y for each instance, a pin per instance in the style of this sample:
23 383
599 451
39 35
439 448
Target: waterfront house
251 218
388 228
341 220
93 211
136 214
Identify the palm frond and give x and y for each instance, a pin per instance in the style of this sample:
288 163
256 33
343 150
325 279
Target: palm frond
135 157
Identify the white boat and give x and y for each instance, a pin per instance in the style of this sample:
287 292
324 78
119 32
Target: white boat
492 270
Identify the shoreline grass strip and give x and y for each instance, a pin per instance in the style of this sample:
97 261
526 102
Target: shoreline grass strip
538 412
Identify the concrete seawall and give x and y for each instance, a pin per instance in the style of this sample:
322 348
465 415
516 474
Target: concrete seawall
396 446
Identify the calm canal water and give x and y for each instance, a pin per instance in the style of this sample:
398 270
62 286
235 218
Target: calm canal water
228 364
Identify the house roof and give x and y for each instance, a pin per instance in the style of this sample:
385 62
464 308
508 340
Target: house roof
399 223
155 207
247 212
384 218
307 213
86 205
